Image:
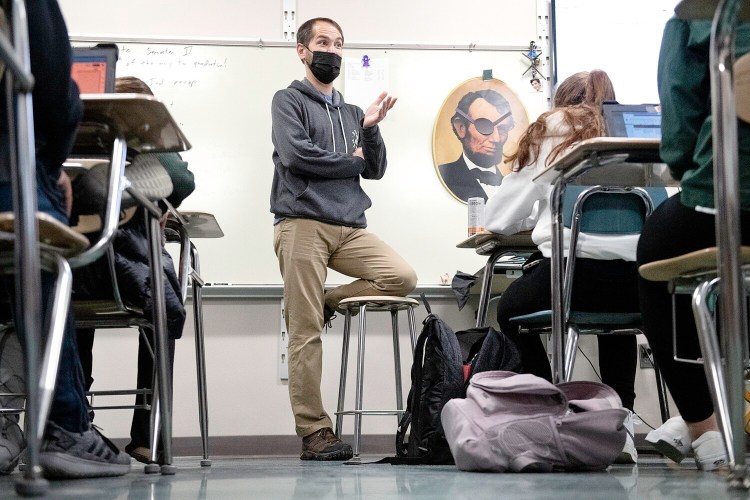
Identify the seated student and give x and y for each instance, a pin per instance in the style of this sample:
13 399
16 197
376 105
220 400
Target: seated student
605 273
684 224
132 267
71 447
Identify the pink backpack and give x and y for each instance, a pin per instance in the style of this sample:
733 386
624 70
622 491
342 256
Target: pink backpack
523 423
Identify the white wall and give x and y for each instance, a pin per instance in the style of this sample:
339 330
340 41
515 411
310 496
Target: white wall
246 396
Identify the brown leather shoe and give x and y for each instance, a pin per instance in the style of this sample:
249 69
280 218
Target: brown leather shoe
324 445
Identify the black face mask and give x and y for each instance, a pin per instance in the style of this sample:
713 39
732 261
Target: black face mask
325 66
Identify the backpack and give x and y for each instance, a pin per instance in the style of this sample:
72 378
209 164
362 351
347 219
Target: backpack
443 363
523 423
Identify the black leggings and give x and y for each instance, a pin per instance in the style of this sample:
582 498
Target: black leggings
673 230
598 286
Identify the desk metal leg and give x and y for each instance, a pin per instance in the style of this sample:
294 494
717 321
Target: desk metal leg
27 258
160 336
484 294
728 237
556 265
200 354
712 363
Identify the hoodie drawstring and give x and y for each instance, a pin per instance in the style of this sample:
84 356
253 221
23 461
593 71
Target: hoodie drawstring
333 134
343 134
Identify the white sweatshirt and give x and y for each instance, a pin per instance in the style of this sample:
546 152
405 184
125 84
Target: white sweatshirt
512 208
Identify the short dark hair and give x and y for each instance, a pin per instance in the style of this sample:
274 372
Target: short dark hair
305 31
491 96
131 85
537 80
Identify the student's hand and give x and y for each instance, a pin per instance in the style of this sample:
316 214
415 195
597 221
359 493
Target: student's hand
63 182
358 152
378 109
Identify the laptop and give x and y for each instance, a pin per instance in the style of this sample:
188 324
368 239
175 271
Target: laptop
94 68
637 121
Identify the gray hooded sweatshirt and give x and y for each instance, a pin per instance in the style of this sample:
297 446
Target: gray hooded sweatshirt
316 175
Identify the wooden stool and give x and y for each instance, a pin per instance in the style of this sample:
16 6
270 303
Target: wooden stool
362 305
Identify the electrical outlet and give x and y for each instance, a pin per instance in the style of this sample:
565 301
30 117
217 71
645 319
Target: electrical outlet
645 356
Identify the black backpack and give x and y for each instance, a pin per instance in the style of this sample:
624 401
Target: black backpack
443 363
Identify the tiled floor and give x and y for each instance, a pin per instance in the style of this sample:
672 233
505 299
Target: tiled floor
287 477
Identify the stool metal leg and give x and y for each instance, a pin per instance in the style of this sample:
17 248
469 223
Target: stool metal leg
412 328
360 379
397 366
342 377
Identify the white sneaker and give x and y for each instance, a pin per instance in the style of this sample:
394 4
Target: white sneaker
709 450
628 455
672 439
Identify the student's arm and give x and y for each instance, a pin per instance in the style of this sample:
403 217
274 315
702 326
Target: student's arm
684 90
57 107
373 149
510 209
296 149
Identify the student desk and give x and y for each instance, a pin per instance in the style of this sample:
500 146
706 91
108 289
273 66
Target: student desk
115 124
587 155
182 227
495 246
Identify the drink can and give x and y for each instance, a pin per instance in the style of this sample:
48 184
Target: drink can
476 215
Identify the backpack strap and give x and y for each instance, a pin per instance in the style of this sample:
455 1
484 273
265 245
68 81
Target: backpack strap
426 304
415 395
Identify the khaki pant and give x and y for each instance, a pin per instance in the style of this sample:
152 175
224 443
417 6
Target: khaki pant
306 248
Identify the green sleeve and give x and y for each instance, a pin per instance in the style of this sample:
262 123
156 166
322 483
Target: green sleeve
684 91
182 179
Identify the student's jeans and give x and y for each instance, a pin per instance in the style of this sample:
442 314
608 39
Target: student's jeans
306 248
69 406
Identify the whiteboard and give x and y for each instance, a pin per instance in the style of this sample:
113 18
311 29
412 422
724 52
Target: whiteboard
221 97
622 38
494 22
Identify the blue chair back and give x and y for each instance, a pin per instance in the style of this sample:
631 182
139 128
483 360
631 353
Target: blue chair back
611 213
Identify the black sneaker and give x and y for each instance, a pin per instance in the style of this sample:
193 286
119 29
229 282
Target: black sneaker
66 454
324 445
12 444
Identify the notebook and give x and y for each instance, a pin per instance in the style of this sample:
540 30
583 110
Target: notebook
94 68
638 121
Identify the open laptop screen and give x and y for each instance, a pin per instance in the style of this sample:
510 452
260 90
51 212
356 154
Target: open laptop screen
94 69
638 121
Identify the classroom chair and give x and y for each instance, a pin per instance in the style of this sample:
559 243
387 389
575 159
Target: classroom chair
695 274
179 229
30 241
361 306
604 211
121 126
148 183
